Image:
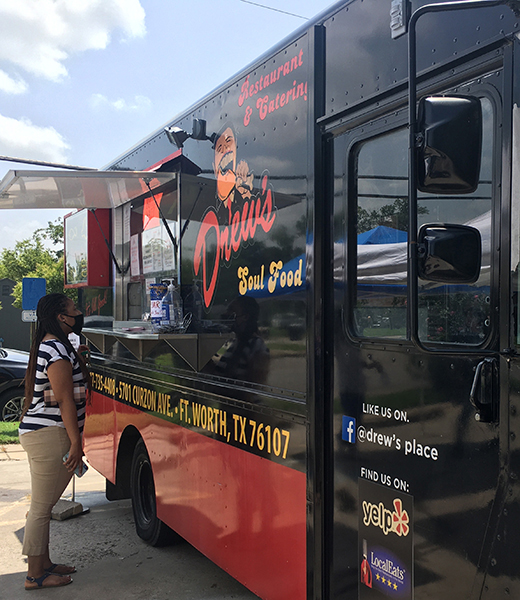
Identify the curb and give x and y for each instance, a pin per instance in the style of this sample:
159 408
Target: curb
12 452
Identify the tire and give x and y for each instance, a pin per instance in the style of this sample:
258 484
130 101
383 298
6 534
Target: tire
11 404
148 527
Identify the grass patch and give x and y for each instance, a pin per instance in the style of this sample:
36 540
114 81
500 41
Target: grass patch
9 432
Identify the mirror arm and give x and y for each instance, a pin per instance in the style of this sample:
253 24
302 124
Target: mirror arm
413 283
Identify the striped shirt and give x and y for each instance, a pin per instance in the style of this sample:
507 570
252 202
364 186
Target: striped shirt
39 414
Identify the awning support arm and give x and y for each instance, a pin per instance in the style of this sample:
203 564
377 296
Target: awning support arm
163 219
191 212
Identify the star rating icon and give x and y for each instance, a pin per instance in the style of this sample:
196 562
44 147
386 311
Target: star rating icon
385 581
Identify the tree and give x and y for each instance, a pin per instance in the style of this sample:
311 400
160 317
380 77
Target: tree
393 215
32 258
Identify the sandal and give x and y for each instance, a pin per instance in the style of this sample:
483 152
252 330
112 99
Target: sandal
39 582
56 569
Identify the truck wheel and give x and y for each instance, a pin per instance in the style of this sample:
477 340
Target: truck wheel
11 404
149 528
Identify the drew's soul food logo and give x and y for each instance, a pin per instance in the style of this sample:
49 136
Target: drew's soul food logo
396 521
245 212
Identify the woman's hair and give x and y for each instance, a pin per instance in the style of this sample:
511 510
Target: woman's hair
47 311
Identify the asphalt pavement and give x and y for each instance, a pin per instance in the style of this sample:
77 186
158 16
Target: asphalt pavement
112 561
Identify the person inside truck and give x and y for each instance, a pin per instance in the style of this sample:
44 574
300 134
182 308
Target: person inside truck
51 428
245 356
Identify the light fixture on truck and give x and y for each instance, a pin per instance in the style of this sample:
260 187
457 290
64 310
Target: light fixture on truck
178 136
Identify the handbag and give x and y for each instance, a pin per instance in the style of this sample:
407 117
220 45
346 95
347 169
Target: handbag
80 395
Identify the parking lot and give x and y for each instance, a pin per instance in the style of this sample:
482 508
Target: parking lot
111 560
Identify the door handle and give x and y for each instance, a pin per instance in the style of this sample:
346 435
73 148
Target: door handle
484 390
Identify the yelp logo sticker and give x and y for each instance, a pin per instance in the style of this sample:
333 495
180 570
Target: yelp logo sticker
396 521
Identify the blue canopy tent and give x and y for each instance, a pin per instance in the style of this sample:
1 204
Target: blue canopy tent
382 235
377 236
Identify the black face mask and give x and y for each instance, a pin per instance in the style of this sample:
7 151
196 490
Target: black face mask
78 323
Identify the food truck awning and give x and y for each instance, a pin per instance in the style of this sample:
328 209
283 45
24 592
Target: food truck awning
76 189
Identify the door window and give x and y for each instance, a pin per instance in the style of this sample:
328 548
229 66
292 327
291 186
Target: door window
382 225
449 314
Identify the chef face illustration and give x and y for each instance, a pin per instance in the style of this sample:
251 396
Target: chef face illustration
225 165
234 179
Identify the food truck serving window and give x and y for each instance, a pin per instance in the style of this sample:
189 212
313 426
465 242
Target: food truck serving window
149 234
112 212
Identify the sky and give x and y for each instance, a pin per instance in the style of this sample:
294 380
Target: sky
81 82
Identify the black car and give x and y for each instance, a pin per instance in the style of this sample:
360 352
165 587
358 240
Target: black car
13 364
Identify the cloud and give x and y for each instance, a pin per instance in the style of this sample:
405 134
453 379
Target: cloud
39 35
21 138
139 103
10 85
18 225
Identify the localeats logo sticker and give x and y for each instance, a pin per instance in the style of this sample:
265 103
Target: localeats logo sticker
387 574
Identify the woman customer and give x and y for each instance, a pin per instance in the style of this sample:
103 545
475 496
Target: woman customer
51 427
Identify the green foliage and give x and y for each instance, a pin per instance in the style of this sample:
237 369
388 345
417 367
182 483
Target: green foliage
9 432
33 258
393 215
54 233
456 317
77 273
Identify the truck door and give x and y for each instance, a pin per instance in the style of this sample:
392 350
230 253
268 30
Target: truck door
416 485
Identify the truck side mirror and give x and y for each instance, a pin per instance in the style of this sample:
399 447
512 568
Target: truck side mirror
449 144
449 253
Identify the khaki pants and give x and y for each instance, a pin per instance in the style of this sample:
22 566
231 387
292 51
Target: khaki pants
45 450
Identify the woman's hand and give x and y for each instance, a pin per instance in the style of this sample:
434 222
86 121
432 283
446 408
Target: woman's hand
84 353
74 458
60 378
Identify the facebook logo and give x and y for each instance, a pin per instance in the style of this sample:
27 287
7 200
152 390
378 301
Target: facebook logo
348 429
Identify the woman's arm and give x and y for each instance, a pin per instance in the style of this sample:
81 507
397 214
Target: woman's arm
60 378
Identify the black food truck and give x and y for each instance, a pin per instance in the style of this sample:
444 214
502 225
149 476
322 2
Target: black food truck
301 296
